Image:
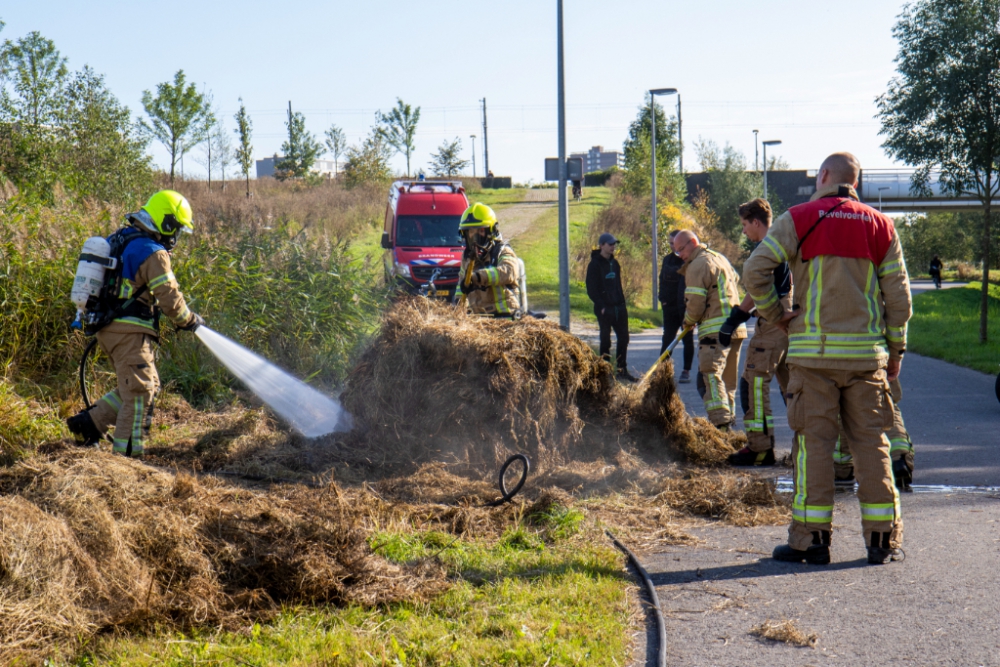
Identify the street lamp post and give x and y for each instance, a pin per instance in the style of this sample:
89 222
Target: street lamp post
473 137
563 201
773 142
756 162
652 120
884 187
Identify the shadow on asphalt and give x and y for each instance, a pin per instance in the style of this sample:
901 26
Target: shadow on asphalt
766 567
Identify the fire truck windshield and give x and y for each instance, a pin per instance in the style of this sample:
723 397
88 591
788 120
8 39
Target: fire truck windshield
428 231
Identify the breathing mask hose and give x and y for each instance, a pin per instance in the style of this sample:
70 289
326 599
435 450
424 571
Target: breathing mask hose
83 373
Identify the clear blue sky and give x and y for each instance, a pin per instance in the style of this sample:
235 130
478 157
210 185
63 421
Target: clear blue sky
805 73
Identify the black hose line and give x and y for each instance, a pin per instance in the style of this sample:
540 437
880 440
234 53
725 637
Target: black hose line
83 373
661 659
509 495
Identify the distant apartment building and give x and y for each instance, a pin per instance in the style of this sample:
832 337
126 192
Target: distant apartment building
265 167
598 159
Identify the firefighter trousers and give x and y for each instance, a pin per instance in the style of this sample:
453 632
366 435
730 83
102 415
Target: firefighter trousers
862 400
129 407
900 445
766 355
720 368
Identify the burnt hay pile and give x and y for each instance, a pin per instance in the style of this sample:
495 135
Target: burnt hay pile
90 541
441 386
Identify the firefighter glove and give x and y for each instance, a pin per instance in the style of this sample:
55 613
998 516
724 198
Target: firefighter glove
196 321
735 319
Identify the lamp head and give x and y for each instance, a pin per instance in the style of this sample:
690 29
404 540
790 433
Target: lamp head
662 91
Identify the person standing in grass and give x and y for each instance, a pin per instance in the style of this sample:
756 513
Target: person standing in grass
604 287
147 289
710 296
671 295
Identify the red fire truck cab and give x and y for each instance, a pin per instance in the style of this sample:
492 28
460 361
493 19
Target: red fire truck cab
420 234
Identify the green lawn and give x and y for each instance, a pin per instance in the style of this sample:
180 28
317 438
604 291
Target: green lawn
536 596
539 248
945 325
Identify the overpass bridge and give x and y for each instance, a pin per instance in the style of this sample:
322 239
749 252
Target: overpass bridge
895 186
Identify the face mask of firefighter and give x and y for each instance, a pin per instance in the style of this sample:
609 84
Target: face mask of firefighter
309 412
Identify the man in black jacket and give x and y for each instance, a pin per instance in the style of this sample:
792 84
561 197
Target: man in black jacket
671 295
604 287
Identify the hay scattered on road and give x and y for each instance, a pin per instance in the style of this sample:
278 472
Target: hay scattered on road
786 631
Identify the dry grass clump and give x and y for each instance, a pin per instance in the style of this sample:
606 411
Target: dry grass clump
89 541
440 385
738 498
785 631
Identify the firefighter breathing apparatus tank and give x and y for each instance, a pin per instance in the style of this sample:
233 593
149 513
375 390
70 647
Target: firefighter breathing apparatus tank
95 260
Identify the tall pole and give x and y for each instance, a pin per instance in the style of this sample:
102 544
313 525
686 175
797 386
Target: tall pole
486 144
765 170
473 137
563 201
656 250
680 138
756 163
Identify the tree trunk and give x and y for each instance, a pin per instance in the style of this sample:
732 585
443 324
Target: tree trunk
985 297
248 184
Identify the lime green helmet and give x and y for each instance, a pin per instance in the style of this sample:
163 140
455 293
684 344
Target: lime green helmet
478 215
166 213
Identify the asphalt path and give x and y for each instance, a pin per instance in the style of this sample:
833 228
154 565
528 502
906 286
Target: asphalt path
938 607
951 412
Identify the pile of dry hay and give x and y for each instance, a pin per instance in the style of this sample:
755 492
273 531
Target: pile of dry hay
438 385
90 541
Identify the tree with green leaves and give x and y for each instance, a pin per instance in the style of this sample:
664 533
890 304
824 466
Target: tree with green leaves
244 152
399 127
941 113
178 117
369 162
336 143
102 150
37 73
730 183
448 160
299 151
637 179
34 75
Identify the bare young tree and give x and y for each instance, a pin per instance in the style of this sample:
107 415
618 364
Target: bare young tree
336 144
399 127
244 152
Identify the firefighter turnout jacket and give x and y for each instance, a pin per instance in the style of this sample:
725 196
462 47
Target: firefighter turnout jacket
494 287
710 293
147 262
852 290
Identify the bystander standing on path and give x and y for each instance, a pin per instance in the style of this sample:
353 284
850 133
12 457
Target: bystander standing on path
671 294
604 287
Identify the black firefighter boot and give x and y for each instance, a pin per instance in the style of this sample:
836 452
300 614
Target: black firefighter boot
83 427
817 553
879 551
903 475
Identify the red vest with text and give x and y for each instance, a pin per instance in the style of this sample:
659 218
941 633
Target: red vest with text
852 229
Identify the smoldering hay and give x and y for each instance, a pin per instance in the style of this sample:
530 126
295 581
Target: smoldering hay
308 411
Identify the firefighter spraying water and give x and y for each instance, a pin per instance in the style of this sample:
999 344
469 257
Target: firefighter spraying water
122 286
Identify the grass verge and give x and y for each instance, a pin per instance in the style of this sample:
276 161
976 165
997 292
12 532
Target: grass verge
945 326
539 248
534 596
